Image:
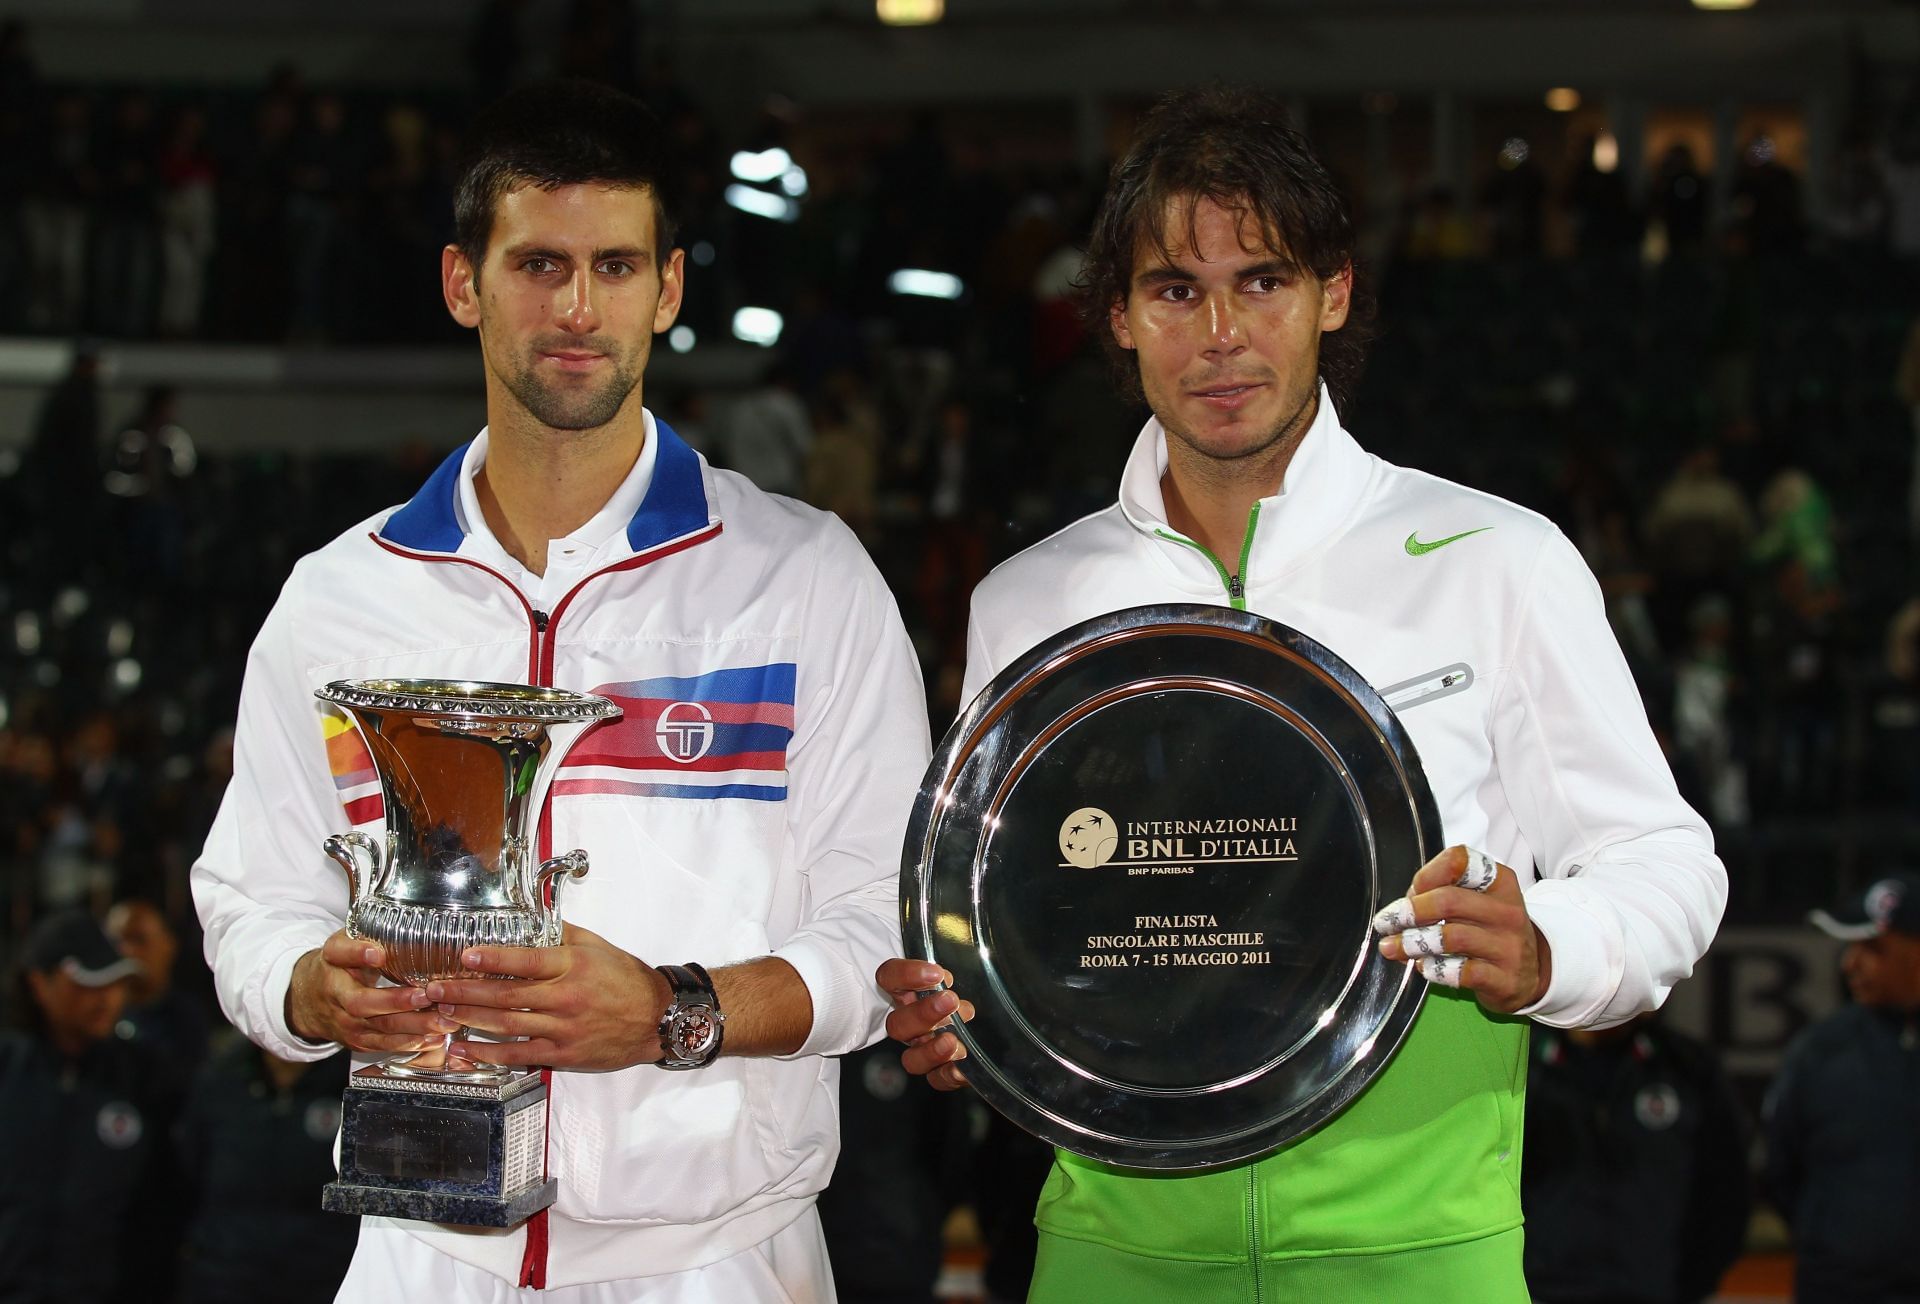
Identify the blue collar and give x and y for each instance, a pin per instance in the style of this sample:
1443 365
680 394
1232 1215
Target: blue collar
675 504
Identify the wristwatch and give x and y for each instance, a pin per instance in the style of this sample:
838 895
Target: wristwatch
692 1024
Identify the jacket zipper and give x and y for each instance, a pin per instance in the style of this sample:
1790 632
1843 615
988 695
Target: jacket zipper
540 659
1253 1232
1235 585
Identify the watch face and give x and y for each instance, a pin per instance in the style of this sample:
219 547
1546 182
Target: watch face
693 1032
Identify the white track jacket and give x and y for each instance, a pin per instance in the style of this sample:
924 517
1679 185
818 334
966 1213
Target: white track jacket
782 838
1481 624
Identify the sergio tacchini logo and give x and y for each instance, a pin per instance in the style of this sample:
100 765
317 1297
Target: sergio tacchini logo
1415 548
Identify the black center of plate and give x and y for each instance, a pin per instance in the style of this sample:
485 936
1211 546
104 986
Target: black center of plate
1156 884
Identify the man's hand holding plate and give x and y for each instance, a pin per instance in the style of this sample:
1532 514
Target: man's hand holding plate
1464 922
923 1018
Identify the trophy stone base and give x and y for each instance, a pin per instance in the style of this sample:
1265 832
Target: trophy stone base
467 1153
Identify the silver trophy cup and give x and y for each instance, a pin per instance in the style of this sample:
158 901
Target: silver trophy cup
463 770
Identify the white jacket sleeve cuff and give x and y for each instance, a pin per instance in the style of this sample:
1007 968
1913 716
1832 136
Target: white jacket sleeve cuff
266 998
1589 954
847 1008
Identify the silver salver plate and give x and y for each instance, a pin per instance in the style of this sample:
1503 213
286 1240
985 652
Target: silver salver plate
1149 853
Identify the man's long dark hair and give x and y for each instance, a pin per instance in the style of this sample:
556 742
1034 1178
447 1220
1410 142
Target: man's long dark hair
562 133
1233 147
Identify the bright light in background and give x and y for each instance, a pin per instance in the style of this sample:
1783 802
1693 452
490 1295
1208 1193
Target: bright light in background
909 13
794 181
763 166
1606 152
126 674
680 339
1515 152
1723 4
701 253
1563 99
928 285
758 326
763 203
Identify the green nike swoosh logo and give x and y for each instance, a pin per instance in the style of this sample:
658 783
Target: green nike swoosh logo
1415 548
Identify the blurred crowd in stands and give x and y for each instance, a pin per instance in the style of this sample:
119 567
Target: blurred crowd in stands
1715 397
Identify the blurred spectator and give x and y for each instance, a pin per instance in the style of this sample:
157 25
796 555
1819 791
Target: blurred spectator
497 47
1698 533
765 434
1635 1185
159 1015
60 470
601 43
1796 541
1843 1117
19 71
1598 204
1678 201
1906 383
188 201
87 1214
323 170
1859 208
150 459
1708 767
1766 201
892 1191
843 469
125 240
63 183
1438 229
1512 199
256 1144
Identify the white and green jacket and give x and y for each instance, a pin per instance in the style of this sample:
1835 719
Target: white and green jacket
1540 755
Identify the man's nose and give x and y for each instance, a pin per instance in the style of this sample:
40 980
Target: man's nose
1222 320
580 309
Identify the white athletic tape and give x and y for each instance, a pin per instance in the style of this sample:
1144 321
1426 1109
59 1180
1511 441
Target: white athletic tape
1444 970
1422 941
1394 918
1480 873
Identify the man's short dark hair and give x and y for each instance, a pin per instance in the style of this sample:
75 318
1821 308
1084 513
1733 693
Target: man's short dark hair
562 133
1235 148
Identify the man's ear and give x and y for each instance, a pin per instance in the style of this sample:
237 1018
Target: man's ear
1117 322
460 286
1336 297
673 284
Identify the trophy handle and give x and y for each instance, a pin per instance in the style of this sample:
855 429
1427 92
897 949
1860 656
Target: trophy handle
341 847
559 869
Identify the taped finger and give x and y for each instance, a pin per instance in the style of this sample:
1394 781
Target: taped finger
1444 970
1480 873
1394 918
1423 941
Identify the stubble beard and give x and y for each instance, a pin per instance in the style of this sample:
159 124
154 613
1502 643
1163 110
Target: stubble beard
560 407
1218 464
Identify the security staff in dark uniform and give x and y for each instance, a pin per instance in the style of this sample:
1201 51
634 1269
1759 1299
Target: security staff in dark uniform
1635 1185
256 1145
1843 1118
86 1211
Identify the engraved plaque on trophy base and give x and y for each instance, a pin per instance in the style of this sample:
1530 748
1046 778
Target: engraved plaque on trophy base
467 1153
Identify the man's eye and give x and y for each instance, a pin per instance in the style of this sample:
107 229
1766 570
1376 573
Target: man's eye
1267 284
1177 293
616 267
538 266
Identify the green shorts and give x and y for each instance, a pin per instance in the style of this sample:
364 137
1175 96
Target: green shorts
1486 1270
